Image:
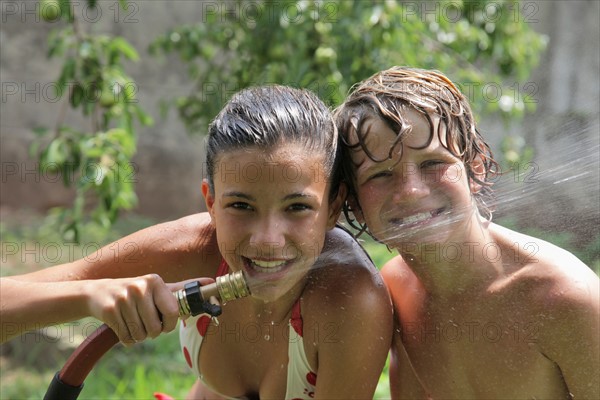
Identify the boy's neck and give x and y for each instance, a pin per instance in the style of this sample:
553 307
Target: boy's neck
460 266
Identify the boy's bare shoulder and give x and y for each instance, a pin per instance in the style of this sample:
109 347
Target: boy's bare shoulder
398 276
345 276
561 296
551 275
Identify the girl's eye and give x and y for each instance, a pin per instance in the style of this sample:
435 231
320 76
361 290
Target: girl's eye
240 205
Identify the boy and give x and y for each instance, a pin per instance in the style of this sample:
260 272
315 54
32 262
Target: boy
482 312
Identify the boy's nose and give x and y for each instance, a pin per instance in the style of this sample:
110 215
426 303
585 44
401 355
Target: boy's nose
410 186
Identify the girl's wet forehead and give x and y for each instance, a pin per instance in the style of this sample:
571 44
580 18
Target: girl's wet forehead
292 163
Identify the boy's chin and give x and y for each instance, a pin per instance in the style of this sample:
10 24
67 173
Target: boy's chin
415 240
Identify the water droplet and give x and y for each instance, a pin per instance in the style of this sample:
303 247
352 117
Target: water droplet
267 337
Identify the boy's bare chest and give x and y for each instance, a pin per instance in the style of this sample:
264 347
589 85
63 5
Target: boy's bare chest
478 355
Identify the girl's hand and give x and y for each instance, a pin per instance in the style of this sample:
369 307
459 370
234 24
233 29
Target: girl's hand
135 308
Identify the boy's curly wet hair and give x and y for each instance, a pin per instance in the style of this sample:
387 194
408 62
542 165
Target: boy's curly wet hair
387 95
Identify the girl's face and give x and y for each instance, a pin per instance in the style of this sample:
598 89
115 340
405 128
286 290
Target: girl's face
419 196
271 211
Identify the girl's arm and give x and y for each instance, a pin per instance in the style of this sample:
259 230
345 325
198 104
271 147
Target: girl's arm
132 305
175 250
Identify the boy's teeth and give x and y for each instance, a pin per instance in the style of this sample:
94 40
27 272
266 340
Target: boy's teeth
416 218
268 264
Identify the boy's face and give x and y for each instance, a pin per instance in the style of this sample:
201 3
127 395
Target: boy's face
271 211
419 196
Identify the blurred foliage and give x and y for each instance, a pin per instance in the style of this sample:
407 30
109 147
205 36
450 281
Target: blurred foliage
486 46
95 161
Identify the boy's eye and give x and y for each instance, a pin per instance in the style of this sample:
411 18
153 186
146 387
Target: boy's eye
380 174
431 163
296 207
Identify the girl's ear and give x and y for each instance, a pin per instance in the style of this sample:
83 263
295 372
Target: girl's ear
335 206
209 198
478 169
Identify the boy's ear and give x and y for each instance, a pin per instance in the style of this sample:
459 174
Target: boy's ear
209 199
478 169
335 206
355 208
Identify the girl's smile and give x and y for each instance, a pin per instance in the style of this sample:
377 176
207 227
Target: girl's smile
271 212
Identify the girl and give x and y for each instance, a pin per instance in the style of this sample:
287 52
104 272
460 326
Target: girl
272 194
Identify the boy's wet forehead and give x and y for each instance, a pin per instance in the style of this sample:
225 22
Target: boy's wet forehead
379 138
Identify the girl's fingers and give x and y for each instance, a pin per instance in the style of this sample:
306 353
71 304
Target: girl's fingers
168 308
134 330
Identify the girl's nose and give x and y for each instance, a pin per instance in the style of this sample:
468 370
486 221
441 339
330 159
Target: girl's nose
268 236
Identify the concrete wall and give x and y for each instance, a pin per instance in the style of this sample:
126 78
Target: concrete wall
168 161
564 130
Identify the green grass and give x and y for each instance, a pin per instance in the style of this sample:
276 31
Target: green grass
123 373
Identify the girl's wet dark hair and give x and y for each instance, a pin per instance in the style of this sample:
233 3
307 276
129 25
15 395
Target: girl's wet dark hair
270 116
387 95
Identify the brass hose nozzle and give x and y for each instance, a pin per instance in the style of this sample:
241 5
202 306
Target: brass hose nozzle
194 299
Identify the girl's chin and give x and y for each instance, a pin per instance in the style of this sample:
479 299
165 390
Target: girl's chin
269 295
269 291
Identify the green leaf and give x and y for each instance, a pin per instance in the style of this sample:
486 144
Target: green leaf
77 95
56 152
145 119
65 9
122 46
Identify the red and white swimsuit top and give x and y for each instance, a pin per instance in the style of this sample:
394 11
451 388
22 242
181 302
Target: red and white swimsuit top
301 380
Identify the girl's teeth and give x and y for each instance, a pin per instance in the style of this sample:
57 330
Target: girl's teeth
268 264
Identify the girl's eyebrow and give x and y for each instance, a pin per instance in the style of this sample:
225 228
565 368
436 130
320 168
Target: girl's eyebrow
238 194
291 196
